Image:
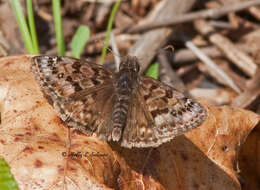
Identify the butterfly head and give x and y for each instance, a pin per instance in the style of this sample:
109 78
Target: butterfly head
129 63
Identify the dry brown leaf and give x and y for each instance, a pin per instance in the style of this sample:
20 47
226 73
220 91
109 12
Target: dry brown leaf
249 159
34 142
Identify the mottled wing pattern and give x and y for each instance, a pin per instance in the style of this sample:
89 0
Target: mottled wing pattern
79 91
84 96
158 114
139 130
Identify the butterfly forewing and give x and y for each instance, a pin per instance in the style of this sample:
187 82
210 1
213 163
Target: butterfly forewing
61 77
78 90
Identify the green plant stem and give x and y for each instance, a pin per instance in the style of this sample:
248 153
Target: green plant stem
58 27
108 31
32 26
22 25
79 41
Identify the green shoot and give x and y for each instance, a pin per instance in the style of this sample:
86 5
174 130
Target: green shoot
79 41
23 26
7 180
108 31
32 26
153 71
58 27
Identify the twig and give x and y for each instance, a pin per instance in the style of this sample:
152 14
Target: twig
147 46
168 75
115 50
241 59
185 55
224 65
255 11
231 16
249 95
221 24
211 13
216 71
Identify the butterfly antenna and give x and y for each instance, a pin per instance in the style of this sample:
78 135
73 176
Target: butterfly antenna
166 49
169 47
114 49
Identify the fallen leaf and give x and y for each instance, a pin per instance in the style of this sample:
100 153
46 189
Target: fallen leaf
249 159
44 154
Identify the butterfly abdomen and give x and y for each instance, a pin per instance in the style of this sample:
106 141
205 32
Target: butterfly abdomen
124 84
119 116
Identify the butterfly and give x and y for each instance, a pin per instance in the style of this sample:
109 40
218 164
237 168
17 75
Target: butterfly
123 106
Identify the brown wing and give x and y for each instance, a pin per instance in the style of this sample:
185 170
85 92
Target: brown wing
139 129
159 114
61 77
81 92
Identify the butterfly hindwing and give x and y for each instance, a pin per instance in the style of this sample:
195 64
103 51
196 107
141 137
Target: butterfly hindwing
160 114
90 113
139 130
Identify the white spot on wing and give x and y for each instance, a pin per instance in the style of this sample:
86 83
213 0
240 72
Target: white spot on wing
159 120
187 116
163 118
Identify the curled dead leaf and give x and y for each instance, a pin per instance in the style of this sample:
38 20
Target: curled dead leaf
43 154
